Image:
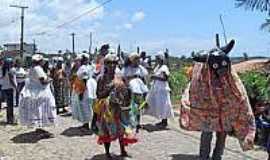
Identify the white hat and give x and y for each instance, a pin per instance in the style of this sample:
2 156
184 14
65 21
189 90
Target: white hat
133 55
137 86
61 59
37 57
78 57
111 57
83 73
84 55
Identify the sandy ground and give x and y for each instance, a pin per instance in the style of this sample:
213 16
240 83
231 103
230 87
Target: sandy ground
70 143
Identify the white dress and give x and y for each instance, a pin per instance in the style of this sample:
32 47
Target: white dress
37 104
158 97
82 109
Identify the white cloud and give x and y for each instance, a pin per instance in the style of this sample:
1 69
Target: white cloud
138 16
128 26
44 16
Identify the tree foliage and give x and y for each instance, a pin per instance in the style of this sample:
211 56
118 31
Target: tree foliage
261 5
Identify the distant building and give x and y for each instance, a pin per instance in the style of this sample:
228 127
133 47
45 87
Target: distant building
13 50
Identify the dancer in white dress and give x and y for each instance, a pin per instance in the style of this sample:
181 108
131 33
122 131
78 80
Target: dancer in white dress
134 75
84 94
37 104
158 98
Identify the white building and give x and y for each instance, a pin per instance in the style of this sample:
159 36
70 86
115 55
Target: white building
14 48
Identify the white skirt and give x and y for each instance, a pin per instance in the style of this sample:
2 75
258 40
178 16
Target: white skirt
159 104
81 110
37 106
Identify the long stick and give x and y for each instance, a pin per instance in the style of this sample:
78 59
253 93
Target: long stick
223 27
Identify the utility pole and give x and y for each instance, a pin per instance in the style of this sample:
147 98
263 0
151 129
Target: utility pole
22 26
90 44
34 42
73 43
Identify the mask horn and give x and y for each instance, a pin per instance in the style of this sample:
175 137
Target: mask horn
227 49
198 57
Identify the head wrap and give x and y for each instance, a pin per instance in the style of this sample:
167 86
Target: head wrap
111 57
132 56
37 57
83 73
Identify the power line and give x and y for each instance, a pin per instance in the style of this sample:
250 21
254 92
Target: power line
83 14
75 18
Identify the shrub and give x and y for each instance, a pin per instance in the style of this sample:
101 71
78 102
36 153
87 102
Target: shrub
178 82
258 87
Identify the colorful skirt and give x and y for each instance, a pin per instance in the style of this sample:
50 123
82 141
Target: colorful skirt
62 93
114 123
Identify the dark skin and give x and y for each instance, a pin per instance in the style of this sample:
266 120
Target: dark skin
103 93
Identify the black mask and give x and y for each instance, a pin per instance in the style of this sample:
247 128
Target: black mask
217 59
219 64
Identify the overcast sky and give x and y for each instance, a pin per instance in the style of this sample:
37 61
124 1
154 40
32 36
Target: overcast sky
181 26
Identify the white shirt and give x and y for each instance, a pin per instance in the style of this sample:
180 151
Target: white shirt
6 84
20 75
35 74
158 71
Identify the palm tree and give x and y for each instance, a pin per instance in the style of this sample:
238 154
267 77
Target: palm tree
260 5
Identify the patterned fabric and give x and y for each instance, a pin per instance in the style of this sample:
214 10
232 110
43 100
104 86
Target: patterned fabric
61 89
114 115
213 105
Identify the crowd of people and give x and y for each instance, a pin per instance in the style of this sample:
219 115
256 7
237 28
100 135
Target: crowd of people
109 94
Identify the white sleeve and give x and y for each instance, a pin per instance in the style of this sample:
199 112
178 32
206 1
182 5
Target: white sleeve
144 71
165 69
39 72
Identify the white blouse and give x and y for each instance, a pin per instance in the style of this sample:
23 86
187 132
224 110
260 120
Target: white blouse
134 71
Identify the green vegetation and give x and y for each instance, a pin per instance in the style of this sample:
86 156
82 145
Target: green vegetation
178 81
257 85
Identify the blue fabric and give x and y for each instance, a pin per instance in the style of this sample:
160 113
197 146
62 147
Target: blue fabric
82 110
